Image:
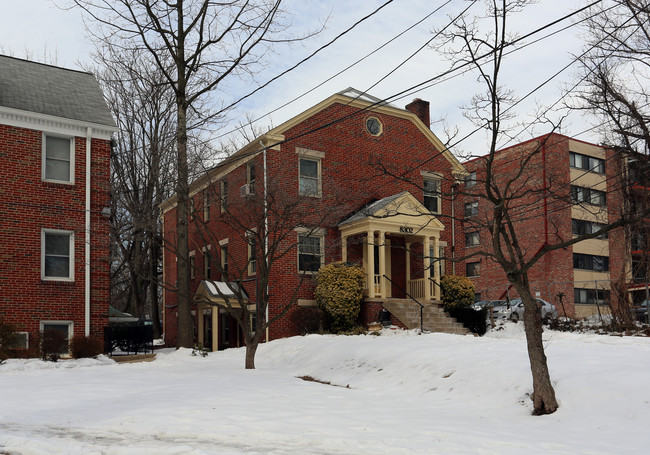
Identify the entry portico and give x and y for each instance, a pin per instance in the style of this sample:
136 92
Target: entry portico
214 299
400 215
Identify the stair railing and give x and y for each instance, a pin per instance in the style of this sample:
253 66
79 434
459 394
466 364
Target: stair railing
412 298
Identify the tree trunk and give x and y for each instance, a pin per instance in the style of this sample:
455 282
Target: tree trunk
185 323
251 349
544 401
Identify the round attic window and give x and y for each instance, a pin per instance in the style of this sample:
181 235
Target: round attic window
373 125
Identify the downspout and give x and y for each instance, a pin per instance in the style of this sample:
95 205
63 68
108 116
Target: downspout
453 229
89 133
266 243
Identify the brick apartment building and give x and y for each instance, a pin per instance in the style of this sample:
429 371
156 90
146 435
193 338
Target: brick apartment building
638 197
565 187
55 131
365 182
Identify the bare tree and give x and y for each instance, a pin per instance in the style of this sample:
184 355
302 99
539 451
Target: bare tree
617 79
267 219
515 186
142 166
197 45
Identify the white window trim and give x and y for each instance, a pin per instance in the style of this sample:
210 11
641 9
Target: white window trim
206 250
207 200
70 181
319 192
433 177
249 252
223 258
317 233
470 180
70 277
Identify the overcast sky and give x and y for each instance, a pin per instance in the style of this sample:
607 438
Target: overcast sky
42 30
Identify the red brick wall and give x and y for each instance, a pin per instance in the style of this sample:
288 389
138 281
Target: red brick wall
352 176
541 216
29 205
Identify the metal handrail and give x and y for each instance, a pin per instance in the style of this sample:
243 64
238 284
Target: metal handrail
412 298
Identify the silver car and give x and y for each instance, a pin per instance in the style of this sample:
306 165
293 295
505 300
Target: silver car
517 309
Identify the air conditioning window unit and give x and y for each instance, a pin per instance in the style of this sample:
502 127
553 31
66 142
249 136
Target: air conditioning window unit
247 190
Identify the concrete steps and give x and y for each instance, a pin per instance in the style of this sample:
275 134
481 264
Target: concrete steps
434 317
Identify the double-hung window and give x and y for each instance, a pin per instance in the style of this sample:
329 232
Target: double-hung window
472 239
250 177
431 190
57 255
252 254
309 177
470 180
206 204
471 209
473 269
310 172
58 159
310 253
224 259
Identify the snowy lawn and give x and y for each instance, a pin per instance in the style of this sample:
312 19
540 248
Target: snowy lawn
399 393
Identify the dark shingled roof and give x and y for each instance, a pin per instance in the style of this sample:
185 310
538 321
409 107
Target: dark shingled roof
50 90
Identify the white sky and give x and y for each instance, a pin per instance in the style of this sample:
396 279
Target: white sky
38 27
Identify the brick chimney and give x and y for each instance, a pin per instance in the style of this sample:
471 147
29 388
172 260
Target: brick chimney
421 109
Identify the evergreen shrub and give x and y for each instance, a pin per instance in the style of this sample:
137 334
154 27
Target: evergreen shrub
457 291
339 293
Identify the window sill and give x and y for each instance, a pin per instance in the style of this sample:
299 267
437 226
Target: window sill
58 281
58 183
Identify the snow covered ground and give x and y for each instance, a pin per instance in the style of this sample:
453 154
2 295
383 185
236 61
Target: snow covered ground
398 393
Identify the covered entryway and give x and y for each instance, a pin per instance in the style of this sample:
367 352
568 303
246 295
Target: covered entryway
216 327
402 217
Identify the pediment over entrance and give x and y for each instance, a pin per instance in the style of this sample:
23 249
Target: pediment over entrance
219 293
400 214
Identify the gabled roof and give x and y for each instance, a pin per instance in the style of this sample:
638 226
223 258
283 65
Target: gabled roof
399 213
372 209
276 136
53 91
219 293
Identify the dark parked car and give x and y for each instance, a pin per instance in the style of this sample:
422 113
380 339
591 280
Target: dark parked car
642 311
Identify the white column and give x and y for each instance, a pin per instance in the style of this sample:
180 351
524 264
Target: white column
215 328
382 264
408 265
427 265
200 327
371 263
436 268
344 248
